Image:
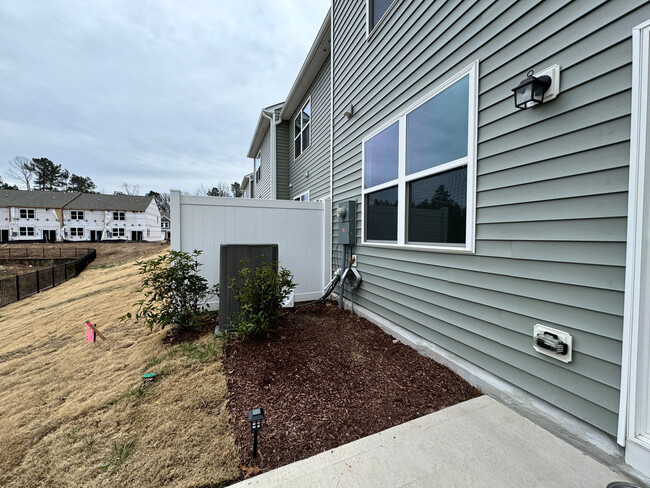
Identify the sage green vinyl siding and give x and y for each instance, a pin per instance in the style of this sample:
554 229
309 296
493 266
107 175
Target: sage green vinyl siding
551 184
282 154
311 170
263 186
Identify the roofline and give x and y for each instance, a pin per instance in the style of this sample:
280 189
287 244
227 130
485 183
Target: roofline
310 68
261 128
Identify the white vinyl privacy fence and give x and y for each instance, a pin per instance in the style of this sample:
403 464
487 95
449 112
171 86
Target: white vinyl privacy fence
302 231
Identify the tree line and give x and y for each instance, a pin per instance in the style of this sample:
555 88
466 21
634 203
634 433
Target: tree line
43 174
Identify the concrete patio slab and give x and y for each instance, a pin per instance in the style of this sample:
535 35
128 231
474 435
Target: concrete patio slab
476 443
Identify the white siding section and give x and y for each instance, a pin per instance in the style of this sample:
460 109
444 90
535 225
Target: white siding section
301 230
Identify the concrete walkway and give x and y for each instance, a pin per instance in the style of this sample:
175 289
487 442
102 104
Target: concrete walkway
479 443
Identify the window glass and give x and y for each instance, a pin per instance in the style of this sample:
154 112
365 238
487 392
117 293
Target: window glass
438 207
381 154
296 126
377 10
381 215
306 113
305 138
436 131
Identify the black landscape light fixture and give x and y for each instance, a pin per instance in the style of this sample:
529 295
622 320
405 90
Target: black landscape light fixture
255 417
530 91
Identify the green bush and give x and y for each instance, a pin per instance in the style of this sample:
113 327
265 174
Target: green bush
174 293
260 293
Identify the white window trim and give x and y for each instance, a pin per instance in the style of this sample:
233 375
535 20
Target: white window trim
257 173
302 129
402 179
299 197
371 31
27 210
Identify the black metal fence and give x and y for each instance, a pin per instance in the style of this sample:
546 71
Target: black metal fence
23 285
9 252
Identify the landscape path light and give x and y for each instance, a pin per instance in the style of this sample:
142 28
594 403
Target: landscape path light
255 417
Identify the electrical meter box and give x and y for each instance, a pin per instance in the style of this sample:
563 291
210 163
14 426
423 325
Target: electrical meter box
347 214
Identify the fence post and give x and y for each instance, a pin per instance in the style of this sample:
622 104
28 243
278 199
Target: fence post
53 281
38 284
17 287
65 272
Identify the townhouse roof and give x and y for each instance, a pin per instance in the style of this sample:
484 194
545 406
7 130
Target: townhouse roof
164 215
98 201
262 126
245 180
318 54
73 200
36 199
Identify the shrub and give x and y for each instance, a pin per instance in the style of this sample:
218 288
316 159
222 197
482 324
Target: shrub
260 293
174 293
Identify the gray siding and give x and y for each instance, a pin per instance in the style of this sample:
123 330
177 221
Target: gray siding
315 160
551 185
263 187
282 154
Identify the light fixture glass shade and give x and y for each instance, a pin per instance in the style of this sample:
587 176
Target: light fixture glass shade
530 91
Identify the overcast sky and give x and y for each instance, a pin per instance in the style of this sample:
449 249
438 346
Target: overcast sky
160 93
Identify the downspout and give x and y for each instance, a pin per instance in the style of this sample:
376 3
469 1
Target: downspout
273 123
331 131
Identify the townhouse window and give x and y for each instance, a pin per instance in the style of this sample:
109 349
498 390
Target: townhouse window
76 214
119 216
376 9
117 232
302 127
76 232
303 198
27 231
26 213
258 167
419 171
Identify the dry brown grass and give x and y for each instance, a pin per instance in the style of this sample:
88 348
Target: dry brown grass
76 414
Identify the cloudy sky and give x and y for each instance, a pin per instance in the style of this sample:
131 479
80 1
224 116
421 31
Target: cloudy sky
160 93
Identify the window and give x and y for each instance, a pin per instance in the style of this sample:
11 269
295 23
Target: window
76 232
27 231
76 214
301 126
376 10
118 216
419 171
118 232
27 213
165 225
258 167
303 198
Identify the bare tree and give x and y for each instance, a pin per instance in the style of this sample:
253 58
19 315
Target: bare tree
19 169
130 189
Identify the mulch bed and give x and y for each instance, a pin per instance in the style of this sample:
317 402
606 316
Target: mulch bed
326 377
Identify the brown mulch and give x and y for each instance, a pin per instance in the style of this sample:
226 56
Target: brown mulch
326 377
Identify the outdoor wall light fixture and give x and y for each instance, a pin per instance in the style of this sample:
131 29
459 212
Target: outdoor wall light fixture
255 417
535 90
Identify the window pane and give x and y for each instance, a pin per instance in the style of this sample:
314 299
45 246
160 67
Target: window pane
381 157
296 126
438 207
296 148
379 8
305 138
436 131
306 113
381 215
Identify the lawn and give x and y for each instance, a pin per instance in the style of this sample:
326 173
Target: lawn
78 414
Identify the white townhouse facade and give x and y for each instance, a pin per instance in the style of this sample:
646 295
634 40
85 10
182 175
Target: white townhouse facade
46 216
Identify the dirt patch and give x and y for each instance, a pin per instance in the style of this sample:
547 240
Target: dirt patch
108 253
327 377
